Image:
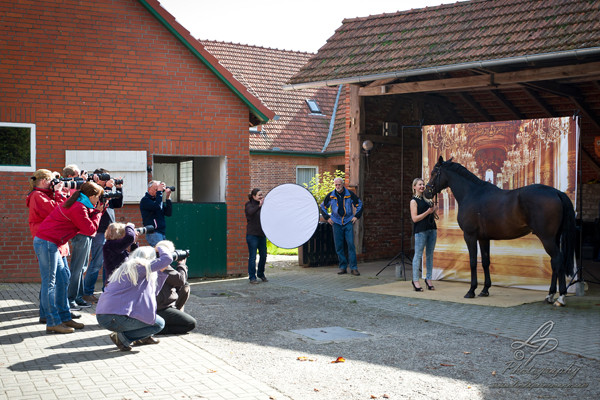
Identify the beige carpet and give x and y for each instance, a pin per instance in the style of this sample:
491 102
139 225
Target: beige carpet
455 292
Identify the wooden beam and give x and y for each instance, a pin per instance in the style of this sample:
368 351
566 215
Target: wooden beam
476 106
356 124
540 102
586 111
507 104
490 81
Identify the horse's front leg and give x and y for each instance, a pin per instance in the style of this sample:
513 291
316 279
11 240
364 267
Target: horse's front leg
484 245
472 247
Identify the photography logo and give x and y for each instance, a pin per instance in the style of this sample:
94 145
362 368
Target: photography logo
524 370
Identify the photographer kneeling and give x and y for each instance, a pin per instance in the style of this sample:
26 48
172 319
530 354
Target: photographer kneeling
128 305
171 300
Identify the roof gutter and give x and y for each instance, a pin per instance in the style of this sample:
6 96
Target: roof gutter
580 53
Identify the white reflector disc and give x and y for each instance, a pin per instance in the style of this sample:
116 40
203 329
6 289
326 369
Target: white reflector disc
289 215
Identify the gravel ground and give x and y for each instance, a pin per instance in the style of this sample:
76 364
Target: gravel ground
403 357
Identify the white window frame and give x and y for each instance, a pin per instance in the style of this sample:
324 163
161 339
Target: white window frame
316 168
31 167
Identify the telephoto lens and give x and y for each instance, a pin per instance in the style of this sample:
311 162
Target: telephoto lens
74 183
103 176
172 188
180 254
111 195
144 230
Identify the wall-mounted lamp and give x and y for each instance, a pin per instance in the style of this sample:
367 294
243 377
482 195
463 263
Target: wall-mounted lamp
367 146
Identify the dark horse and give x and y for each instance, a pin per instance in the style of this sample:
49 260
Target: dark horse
487 212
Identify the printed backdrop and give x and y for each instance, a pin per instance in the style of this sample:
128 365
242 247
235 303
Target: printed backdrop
509 154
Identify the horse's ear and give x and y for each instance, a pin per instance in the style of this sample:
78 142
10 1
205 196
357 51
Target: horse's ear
451 158
440 160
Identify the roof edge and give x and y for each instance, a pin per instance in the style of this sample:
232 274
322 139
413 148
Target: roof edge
444 68
261 111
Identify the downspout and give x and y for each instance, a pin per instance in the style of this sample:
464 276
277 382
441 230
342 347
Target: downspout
332 122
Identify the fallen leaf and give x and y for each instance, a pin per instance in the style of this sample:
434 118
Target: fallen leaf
316 390
467 352
446 365
385 396
494 373
211 371
339 360
373 396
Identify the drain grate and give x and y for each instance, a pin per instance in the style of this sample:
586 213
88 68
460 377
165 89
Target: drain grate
331 333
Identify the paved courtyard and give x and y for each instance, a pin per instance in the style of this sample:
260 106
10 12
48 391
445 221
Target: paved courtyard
280 340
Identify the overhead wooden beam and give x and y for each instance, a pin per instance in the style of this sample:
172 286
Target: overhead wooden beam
586 111
476 106
491 81
540 102
507 104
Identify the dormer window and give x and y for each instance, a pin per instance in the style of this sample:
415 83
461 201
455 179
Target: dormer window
313 107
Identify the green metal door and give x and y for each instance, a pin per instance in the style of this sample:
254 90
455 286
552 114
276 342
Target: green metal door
201 228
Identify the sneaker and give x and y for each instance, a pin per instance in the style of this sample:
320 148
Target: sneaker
115 339
254 281
355 272
73 306
342 272
62 328
263 278
82 303
148 340
75 315
90 298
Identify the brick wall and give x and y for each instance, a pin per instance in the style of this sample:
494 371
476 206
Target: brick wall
268 171
101 74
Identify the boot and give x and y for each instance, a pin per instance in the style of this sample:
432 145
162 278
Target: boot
62 328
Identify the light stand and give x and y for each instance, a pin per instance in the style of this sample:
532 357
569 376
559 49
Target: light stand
401 255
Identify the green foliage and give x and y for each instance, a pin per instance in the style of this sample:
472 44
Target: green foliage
321 184
278 251
15 146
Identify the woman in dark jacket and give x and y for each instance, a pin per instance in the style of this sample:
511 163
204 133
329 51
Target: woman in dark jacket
255 237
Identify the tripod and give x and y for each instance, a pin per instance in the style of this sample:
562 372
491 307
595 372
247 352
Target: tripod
401 255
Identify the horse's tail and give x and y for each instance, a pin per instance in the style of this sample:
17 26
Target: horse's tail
567 233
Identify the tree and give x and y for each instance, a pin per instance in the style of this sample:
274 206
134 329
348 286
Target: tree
321 184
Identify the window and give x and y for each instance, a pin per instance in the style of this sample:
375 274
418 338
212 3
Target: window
186 180
17 151
313 107
304 174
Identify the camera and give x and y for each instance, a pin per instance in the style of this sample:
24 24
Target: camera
110 196
73 183
172 188
100 176
118 181
180 255
144 230
54 182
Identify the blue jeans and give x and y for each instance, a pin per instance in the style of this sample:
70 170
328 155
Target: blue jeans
55 281
96 260
256 243
343 233
154 238
79 259
424 240
129 329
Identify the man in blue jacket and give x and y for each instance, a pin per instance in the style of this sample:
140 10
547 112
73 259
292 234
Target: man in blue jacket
154 210
342 202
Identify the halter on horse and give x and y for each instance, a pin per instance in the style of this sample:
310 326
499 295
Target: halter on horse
487 212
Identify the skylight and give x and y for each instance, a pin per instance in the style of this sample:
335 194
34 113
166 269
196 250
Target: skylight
313 106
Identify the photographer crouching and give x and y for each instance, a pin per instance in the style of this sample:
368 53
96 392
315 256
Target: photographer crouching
128 305
172 298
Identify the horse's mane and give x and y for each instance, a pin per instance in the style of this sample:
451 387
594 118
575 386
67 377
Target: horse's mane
465 173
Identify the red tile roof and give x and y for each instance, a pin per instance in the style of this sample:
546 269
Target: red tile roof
264 71
467 31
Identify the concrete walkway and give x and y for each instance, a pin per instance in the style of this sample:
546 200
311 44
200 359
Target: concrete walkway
248 345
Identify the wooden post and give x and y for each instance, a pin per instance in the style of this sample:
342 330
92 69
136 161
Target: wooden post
356 178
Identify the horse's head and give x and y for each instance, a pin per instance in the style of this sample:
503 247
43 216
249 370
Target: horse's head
438 180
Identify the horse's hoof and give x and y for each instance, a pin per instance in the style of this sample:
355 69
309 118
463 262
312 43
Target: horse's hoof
469 295
483 294
560 301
